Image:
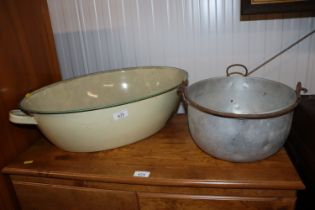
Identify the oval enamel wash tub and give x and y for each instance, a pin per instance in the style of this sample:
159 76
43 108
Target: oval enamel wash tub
103 110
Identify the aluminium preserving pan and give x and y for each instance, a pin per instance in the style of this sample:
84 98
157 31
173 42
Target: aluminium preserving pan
240 118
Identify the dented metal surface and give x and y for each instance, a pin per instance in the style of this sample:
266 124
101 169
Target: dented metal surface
240 119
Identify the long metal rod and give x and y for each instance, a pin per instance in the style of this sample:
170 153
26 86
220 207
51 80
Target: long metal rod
273 57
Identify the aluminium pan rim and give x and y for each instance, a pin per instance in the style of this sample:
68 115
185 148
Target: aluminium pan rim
273 114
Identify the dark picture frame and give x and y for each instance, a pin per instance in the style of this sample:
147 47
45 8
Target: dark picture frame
256 7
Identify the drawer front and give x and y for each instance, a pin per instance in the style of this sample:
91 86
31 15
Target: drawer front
154 201
35 196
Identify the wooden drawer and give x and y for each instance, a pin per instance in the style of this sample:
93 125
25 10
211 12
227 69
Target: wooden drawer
156 201
57 197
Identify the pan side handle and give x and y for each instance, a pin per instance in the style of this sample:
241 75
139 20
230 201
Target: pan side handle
299 88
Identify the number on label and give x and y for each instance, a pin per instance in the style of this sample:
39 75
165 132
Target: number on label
121 114
141 174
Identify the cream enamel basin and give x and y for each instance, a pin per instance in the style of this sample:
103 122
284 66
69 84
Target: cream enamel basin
103 110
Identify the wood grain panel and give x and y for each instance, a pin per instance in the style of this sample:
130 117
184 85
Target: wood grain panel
36 196
158 189
27 61
152 201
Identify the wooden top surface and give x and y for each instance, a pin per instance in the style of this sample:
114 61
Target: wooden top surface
171 157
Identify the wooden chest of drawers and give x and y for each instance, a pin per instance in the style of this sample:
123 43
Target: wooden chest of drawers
181 177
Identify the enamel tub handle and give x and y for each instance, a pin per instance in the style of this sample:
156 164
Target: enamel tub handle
181 91
19 117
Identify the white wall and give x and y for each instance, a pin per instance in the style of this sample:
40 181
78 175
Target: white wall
200 36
